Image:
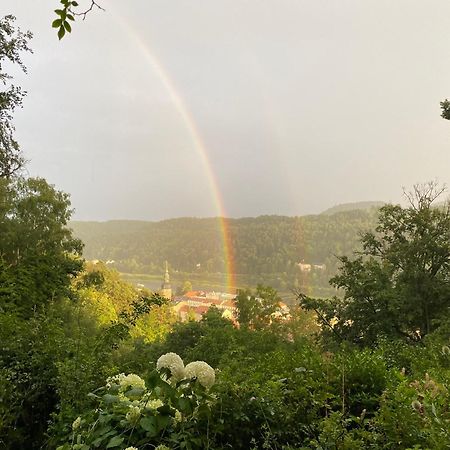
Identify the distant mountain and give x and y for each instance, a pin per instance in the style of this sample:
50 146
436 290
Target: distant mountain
344 207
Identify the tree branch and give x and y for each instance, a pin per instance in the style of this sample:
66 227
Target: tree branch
87 11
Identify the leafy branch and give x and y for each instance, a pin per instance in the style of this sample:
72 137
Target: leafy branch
67 14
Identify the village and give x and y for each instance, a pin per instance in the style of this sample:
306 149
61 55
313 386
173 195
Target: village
193 304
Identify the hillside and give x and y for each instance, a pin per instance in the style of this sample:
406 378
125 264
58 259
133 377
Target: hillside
265 247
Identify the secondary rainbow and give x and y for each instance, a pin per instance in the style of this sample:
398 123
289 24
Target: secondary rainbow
197 141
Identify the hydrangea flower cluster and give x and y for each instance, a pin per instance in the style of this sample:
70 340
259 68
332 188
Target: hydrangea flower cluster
200 370
125 382
174 363
144 414
133 414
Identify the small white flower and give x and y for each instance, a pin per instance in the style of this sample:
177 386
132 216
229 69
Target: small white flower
131 448
133 414
76 423
154 404
202 371
162 447
174 363
178 416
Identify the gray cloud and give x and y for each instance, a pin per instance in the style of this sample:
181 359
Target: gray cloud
301 105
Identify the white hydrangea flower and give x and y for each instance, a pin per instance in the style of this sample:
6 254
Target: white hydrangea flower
174 363
155 404
132 380
76 423
202 371
125 382
178 416
133 414
131 448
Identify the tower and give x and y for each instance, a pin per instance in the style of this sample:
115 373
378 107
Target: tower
166 289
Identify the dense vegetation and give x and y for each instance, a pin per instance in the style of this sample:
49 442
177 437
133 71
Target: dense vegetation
264 248
89 362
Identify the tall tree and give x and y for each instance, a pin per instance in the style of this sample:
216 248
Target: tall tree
259 309
13 43
399 285
38 255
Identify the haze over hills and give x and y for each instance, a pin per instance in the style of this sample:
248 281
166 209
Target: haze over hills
265 248
353 206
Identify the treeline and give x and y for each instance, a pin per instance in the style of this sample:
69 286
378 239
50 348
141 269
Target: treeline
260 246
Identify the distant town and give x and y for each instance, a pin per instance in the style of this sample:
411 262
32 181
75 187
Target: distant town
193 304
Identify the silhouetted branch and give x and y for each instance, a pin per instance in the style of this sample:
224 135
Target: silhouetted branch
87 11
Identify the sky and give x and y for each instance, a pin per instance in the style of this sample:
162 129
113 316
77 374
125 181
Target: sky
159 108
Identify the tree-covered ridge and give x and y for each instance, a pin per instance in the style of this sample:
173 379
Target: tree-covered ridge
261 245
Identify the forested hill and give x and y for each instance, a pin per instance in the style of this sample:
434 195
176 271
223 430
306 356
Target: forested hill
261 245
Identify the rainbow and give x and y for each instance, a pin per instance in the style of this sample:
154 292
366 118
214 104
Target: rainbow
194 133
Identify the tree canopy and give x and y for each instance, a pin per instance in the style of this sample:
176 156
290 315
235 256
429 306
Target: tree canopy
13 42
398 285
38 255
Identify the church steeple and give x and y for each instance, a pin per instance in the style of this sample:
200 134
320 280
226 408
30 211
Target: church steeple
166 288
166 275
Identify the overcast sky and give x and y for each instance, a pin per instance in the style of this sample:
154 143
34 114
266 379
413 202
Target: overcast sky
300 105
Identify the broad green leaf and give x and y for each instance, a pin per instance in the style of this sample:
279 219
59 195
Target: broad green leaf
67 27
162 422
153 380
108 399
56 23
96 443
134 393
61 32
149 424
184 405
115 442
165 410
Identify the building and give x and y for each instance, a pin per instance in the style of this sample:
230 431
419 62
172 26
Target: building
304 267
194 304
166 288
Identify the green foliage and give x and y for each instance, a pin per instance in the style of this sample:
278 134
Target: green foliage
133 412
50 359
399 286
445 106
13 42
66 14
265 249
38 255
186 287
260 309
